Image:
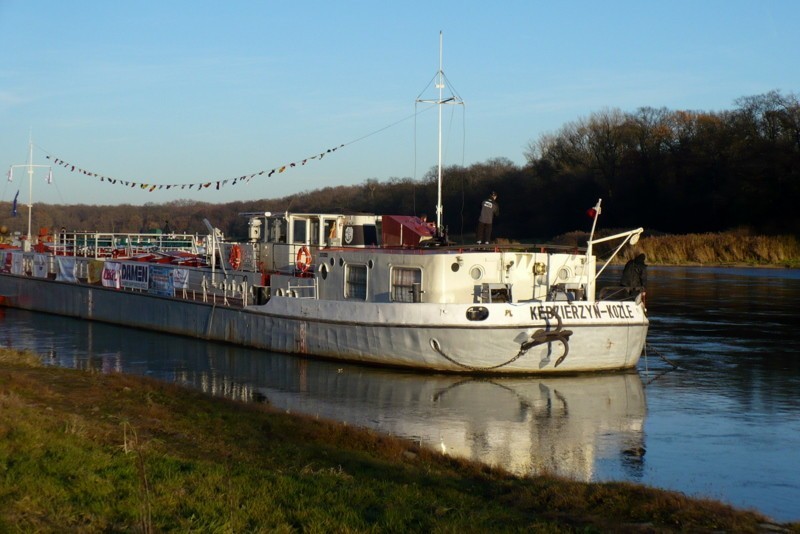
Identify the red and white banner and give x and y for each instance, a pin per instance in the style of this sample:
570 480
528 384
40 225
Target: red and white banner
111 276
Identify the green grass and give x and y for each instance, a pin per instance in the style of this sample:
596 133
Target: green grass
88 452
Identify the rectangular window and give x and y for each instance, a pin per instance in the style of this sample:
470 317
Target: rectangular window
403 280
355 286
276 231
299 231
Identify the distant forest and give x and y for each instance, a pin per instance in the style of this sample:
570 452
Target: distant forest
672 172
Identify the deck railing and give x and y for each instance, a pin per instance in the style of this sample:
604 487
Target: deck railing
106 245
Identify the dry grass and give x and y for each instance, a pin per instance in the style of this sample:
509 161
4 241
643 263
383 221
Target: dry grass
19 357
725 248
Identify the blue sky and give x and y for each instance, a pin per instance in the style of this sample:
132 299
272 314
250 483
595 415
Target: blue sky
179 92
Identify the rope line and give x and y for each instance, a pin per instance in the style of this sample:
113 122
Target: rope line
151 186
539 337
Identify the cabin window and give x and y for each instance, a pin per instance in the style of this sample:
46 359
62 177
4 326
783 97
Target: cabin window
403 280
314 232
370 235
330 232
355 286
299 228
276 231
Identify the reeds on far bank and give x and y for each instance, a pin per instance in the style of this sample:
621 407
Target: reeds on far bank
718 248
725 248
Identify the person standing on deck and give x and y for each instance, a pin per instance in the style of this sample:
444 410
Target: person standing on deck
634 275
489 210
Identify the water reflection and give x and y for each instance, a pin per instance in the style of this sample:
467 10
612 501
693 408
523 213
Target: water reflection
570 426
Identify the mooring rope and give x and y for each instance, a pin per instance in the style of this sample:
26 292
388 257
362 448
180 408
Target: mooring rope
660 355
539 337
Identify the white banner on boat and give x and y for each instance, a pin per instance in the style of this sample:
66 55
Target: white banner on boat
135 276
111 274
66 269
40 265
180 278
17 263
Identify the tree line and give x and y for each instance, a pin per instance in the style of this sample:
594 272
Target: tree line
672 172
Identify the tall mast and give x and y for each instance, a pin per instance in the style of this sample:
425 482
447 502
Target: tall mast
453 99
30 166
440 87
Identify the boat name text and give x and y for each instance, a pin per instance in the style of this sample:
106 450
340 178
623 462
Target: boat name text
621 310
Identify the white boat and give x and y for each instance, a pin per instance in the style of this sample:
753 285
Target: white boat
383 290
333 286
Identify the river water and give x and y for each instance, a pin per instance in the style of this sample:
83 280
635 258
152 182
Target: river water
725 424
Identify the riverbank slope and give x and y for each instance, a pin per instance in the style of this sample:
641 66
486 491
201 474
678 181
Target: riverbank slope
94 452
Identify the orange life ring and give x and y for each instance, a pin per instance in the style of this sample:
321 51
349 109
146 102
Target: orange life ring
303 259
235 257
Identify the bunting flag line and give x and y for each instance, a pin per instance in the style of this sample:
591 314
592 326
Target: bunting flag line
244 179
218 184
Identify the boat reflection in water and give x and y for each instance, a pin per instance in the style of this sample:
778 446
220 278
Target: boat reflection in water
587 427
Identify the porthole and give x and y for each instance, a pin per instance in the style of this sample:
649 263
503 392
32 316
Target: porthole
333 262
323 271
370 264
341 262
455 267
564 273
476 272
477 313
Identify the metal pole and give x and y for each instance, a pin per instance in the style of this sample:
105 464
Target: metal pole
440 86
30 187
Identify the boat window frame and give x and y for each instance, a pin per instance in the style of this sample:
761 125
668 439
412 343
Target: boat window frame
348 284
394 286
300 225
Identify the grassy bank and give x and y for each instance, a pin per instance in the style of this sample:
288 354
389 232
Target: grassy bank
92 452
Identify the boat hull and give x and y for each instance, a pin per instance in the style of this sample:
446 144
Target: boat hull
604 336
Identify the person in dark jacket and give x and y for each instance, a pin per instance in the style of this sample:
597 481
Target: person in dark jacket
489 210
634 275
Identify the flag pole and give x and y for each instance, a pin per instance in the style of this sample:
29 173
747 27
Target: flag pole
30 166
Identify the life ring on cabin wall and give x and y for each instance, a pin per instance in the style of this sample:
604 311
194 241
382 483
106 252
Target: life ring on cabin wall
235 257
303 260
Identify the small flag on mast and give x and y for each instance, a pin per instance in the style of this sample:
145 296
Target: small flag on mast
594 212
14 205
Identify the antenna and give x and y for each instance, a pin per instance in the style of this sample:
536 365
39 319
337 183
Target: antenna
30 166
454 99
